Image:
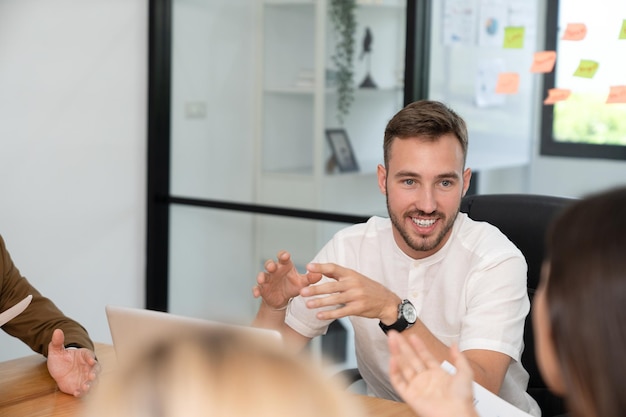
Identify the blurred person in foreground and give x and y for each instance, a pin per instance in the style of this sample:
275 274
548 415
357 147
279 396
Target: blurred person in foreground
219 373
578 315
46 330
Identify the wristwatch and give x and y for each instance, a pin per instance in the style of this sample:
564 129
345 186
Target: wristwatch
407 315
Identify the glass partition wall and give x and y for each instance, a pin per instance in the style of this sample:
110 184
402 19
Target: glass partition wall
248 134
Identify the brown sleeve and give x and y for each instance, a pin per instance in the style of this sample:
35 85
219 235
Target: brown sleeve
34 326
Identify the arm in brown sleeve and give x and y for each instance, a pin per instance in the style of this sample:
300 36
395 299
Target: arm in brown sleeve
34 326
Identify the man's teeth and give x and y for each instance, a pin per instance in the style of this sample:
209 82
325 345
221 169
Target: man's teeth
423 223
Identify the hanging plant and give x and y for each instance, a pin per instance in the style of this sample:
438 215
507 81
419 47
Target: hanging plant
343 19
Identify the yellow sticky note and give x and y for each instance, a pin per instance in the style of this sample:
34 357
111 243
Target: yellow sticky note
622 32
617 94
586 69
508 83
557 94
514 37
543 61
575 32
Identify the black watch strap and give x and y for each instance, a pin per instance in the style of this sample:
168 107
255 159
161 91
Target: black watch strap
406 318
400 325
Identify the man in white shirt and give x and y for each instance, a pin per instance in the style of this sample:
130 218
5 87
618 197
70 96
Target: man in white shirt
426 269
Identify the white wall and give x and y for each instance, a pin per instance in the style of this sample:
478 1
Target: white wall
72 156
574 177
214 67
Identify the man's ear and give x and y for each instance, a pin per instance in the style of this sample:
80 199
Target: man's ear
382 179
467 177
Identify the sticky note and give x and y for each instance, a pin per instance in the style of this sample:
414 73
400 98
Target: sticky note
575 32
586 69
543 61
508 83
622 32
557 94
617 94
514 37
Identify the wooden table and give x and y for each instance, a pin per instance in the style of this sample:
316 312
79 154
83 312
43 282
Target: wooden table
27 390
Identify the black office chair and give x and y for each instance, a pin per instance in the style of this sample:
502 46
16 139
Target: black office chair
524 219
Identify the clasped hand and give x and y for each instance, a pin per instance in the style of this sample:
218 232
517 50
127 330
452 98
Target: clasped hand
354 293
74 370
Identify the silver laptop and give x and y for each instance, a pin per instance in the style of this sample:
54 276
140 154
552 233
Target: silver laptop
132 329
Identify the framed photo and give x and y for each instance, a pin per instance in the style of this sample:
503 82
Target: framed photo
342 150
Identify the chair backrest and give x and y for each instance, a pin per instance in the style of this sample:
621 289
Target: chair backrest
524 219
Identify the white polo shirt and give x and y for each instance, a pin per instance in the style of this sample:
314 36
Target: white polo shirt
472 292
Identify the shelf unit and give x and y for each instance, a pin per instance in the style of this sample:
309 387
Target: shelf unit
298 103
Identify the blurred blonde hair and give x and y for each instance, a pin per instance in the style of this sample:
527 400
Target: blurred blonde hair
220 374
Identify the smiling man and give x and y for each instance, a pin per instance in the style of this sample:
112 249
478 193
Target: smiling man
427 269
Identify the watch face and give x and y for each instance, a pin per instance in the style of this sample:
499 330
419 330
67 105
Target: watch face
409 313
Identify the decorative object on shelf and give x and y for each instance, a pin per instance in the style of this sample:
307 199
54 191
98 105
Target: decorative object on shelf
366 53
306 78
342 15
343 156
331 78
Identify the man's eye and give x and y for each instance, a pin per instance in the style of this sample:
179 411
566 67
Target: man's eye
409 182
446 183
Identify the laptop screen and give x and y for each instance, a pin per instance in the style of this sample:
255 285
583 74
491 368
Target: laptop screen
133 329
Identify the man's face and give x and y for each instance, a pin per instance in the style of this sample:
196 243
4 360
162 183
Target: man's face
424 183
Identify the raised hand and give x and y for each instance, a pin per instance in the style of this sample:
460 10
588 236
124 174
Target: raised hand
74 370
281 281
423 384
356 294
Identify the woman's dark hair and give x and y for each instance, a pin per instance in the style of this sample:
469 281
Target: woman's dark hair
425 119
586 298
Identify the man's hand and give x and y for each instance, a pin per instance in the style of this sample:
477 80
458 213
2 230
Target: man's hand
355 293
74 370
421 381
281 281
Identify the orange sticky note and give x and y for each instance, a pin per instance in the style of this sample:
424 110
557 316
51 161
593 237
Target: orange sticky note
556 94
586 68
508 83
617 94
514 37
622 32
543 61
575 32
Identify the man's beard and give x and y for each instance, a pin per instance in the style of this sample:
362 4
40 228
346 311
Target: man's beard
420 244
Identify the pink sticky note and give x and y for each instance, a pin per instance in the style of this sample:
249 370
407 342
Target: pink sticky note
617 94
556 94
575 32
508 83
543 61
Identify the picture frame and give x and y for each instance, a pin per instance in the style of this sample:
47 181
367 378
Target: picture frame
343 155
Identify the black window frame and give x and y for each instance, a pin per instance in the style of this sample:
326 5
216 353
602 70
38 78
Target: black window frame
549 146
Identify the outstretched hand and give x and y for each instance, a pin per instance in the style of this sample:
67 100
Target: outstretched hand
353 292
424 385
74 370
281 281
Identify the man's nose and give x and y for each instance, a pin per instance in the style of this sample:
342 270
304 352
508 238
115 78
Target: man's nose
426 200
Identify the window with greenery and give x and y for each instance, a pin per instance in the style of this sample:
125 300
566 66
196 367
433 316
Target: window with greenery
585 125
